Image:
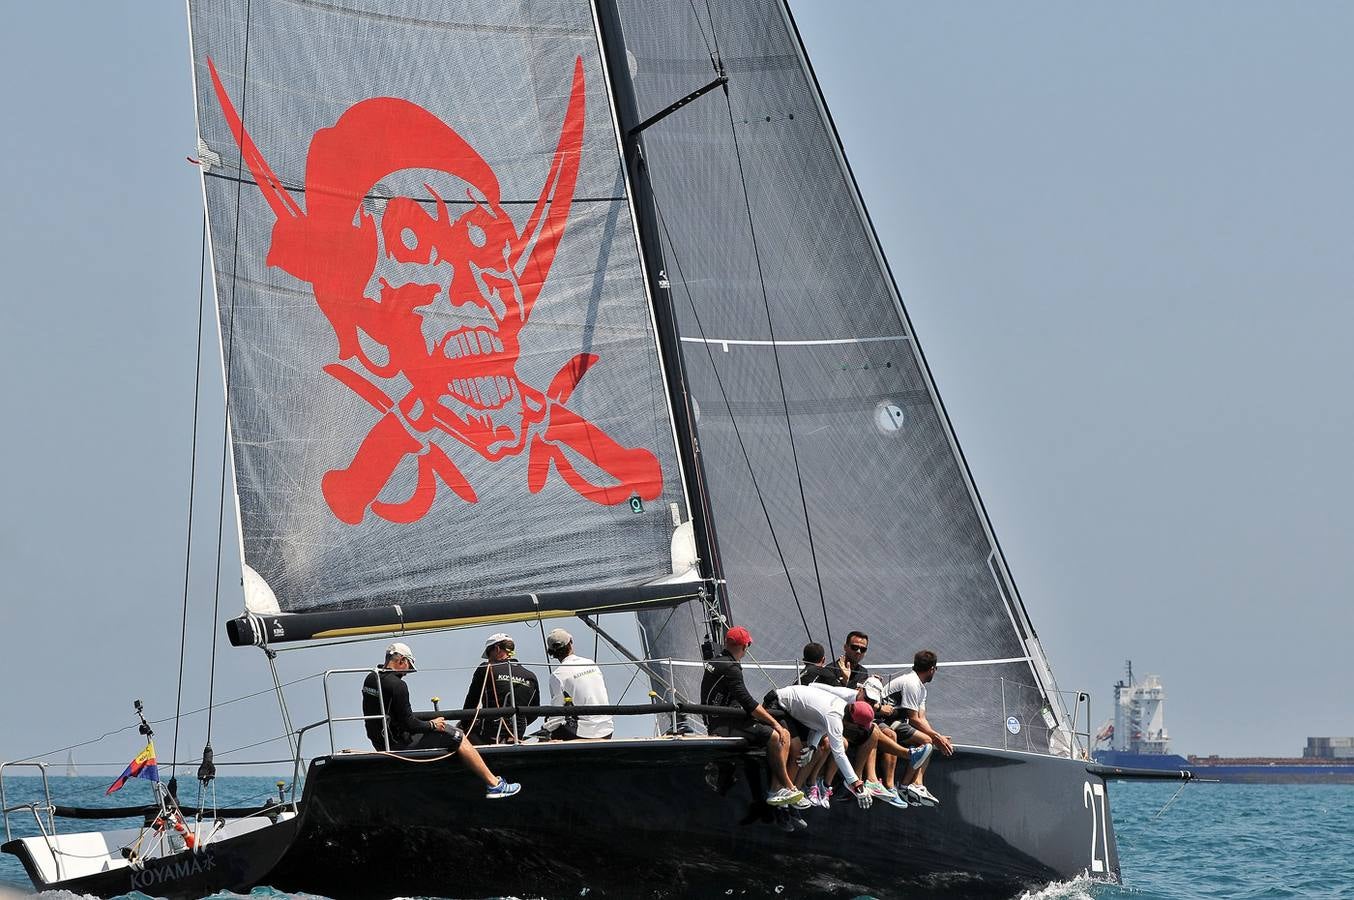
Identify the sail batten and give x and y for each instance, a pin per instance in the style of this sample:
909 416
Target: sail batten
443 374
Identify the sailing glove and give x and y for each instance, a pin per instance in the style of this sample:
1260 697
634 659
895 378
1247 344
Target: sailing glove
863 796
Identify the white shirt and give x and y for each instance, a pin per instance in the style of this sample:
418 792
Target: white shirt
579 678
820 708
910 690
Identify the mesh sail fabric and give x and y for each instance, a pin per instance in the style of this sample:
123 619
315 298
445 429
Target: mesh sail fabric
443 376
783 307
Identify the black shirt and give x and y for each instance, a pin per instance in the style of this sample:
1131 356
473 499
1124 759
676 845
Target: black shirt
512 684
722 685
858 673
398 713
816 674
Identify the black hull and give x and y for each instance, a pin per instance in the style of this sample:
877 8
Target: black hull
235 864
631 819
638 819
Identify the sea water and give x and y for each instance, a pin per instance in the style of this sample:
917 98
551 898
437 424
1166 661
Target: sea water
1199 841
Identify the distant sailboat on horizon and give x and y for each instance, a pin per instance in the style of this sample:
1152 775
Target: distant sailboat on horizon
72 770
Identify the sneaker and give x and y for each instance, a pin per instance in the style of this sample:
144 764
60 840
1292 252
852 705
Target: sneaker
502 789
919 755
783 797
825 798
891 797
803 803
876 789
798 823
784 821
815 797
918 795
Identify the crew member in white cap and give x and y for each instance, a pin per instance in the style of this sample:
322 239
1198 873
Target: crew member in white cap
386 699
578 681
500 681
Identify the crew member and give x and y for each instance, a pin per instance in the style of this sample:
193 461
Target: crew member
907 693
578 681
850 668
385 703
500 681
824 713
722 685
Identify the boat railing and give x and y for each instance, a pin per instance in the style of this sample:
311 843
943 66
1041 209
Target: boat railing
37 809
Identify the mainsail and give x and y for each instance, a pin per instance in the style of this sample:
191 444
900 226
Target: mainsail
839 495
442 373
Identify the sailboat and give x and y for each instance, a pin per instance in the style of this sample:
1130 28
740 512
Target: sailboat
532 310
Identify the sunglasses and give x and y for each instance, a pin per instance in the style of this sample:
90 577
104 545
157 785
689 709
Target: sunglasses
857 648
507 645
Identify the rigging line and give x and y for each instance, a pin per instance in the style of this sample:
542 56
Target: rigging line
733 419
192 484
714 35
775 355
230 354
430 201
701 25
652 674
200 709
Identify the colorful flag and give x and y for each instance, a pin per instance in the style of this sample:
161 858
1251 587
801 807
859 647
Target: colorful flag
144 766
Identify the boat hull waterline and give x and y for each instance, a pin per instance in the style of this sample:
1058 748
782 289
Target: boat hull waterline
630 818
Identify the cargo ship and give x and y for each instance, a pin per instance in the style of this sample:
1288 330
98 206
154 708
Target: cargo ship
1136 738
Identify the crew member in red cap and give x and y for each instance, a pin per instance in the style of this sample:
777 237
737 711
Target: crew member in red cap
723 685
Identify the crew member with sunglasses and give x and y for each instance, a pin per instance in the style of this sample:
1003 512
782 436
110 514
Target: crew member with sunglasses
850 666
500 681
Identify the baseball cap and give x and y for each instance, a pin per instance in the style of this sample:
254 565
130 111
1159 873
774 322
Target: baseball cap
559 638
862 713
402 649
738 635
874 689
497 637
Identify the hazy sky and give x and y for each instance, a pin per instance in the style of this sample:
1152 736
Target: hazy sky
1121 232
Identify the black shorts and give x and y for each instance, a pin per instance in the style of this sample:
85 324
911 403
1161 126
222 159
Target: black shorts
758 734
902 731
855 734
435 740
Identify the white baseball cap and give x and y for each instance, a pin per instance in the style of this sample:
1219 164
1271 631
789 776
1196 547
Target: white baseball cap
559 638
402 649
497 637
874 689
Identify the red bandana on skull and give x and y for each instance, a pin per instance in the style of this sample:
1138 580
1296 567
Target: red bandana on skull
390 282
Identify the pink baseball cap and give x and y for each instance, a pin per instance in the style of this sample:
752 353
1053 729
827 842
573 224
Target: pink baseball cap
862 713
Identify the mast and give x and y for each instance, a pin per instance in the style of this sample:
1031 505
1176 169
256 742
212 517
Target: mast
611 36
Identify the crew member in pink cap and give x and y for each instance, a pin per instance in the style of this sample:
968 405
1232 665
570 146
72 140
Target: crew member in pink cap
722 685
825 713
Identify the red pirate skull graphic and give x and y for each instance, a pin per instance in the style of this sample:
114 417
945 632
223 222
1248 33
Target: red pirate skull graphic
428 297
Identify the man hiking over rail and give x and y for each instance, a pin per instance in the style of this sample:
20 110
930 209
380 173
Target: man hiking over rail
385 701
722 685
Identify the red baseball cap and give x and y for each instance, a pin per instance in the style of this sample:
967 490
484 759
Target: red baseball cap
862 713
738 635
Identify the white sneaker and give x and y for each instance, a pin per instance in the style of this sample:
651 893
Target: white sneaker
876 789
815 798
892 799
783 797
803 803
919 795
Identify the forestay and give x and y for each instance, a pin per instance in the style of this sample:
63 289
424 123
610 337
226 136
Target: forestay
840 499
443 378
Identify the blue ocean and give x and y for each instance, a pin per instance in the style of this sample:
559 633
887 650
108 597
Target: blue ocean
1207 841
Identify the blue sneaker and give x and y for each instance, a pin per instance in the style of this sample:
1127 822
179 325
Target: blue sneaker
502 789
919 755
